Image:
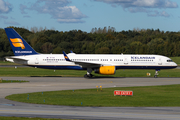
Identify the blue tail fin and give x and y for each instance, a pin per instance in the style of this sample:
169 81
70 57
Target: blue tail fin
18 44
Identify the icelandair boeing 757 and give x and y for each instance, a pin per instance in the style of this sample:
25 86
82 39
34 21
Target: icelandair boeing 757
105 64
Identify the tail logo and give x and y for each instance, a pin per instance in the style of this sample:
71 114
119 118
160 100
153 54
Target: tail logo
17 42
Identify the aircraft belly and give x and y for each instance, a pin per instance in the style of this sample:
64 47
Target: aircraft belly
56 67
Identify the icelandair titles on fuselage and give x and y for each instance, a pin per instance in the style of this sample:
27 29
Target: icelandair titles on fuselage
138 57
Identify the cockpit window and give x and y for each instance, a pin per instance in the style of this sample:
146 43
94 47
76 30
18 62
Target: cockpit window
169 60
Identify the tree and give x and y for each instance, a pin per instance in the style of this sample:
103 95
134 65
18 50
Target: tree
120 36
153 45
135 47
42 38
47 47
57 50
99 40
110 37
103 50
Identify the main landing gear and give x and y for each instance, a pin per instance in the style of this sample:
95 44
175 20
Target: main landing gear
156 74
88 75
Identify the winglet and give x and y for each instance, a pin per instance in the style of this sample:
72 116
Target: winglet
66 57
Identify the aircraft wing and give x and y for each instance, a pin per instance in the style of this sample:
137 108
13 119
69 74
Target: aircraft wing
82 64
87 64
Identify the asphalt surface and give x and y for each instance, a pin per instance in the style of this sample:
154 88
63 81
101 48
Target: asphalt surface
39 84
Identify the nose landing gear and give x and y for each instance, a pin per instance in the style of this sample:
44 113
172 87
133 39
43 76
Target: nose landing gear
156 74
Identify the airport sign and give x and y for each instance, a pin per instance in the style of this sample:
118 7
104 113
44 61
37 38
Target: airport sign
123 92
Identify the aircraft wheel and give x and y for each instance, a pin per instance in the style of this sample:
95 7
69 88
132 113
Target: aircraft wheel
155 76
88 76
85 76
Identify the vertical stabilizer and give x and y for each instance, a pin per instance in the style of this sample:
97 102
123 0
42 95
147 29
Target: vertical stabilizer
18 44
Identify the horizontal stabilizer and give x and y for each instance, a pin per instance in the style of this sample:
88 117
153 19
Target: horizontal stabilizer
16 60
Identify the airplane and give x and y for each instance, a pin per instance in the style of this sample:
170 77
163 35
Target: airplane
105 64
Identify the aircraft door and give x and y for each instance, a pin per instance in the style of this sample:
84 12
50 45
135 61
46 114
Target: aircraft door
159 61
125 60
36 60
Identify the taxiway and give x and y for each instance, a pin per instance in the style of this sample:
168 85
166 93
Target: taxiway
39 84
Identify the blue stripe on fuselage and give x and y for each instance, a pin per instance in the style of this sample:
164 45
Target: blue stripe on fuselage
58 67
117 67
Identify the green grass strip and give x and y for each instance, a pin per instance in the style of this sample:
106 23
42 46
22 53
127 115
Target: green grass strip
12 81
7 63
28 71
149 96
24 118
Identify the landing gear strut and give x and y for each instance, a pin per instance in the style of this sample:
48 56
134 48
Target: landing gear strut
156 74
88 75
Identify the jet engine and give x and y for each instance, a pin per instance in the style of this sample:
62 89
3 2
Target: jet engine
105 70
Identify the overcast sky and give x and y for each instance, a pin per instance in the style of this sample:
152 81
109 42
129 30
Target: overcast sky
66 15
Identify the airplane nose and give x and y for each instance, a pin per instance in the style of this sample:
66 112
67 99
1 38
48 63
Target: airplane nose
174 64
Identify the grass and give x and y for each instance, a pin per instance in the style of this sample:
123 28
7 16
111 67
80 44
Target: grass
12 81
148 96
24 118
28 71
176 60
7 63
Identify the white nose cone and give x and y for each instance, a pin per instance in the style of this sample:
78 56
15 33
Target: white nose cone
174 64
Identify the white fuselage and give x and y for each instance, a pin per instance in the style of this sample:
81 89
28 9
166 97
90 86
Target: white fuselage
126 61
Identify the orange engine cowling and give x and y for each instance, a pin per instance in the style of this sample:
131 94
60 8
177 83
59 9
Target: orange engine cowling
106 70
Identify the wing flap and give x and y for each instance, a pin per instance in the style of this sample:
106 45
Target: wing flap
87 64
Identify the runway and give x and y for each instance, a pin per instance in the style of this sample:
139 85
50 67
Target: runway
38 84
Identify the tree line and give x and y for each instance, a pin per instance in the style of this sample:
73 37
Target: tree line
98 41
